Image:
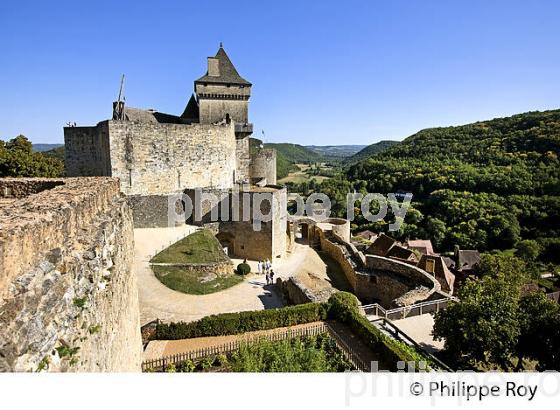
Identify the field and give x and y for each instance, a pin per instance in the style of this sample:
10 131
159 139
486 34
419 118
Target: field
305 173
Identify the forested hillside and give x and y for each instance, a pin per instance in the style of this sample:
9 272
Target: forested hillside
370 150
488 185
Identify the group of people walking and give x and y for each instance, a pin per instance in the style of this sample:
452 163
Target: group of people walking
266 268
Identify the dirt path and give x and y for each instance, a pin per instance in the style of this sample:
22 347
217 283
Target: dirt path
161 348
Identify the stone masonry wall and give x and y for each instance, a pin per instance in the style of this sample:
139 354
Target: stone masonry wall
243 160
154 158
381 280
18 188
86 151
263 165
68 294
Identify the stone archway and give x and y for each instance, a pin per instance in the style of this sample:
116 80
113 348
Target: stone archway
303 229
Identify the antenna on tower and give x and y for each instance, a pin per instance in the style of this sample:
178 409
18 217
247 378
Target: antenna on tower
118 106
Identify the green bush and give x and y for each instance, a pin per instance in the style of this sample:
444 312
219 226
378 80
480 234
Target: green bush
241 322
243 269
343 306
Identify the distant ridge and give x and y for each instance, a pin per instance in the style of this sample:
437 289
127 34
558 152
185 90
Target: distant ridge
336 151
45 147
371 150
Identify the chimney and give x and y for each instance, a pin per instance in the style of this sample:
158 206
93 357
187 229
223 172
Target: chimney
213 67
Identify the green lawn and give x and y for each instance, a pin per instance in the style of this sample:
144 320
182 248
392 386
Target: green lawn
199 247
176 278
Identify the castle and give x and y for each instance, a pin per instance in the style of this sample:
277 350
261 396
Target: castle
157 155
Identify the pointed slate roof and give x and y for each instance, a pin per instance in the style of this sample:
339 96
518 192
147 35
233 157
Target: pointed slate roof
228 73
191 112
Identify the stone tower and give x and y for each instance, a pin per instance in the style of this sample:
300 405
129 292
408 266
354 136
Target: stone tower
223 94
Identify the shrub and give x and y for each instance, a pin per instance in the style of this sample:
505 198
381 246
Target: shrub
241 322
170 368
343 306
243 269
188 366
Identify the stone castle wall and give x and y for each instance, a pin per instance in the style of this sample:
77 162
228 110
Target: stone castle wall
263 165
243 239
243 160
87 151
380 280
154 158
68 294
217 100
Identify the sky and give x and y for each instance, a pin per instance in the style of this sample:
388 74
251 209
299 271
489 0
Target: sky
323 72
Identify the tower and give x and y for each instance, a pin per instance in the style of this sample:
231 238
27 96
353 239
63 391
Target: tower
223 94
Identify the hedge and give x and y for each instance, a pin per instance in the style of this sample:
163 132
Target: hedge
344 307
241 322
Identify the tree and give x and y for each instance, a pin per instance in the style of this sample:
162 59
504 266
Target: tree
483 327
528 250
506 268
17 159
539 337
436 230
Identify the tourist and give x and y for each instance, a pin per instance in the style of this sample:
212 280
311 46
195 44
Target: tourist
271 277
268 265
260 267
267 278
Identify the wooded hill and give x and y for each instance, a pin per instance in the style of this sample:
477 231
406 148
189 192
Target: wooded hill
370 150
487 185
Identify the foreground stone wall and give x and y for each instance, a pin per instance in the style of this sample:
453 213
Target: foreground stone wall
68 294
18 188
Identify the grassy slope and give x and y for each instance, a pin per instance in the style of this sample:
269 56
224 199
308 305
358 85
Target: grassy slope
176 278
199 247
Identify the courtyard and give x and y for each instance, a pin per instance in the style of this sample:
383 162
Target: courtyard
160 302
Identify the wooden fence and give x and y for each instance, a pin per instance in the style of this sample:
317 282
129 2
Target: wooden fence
314 329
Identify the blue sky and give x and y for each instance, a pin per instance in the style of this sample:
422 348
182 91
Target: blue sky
323 72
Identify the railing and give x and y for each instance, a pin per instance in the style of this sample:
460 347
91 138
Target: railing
316 329
398 334
407 311
244 128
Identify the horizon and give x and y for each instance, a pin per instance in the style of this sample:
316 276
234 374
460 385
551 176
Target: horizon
400 68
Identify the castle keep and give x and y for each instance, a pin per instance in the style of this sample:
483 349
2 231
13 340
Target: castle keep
157 156
157 153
